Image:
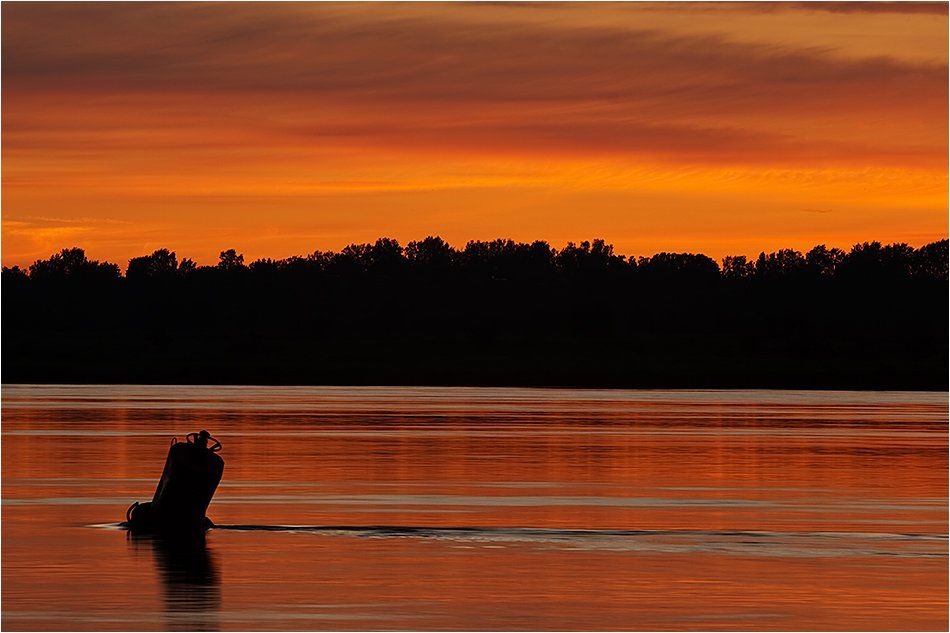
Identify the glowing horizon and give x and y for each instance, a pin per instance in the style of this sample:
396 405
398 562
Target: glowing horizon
282 129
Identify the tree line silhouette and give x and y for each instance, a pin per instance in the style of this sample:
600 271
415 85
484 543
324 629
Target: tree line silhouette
493 313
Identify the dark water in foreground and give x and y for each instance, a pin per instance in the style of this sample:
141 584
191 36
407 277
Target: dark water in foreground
444 508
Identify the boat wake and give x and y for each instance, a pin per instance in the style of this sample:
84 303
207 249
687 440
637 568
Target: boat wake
758 543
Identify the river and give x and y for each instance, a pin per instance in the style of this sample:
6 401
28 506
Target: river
378 508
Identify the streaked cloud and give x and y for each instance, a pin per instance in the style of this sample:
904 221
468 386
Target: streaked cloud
124 102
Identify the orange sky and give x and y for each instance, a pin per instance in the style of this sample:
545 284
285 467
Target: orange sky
278 129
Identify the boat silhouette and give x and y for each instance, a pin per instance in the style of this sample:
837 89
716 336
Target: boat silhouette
191 475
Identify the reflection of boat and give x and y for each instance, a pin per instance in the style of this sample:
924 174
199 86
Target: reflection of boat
191 475
189 578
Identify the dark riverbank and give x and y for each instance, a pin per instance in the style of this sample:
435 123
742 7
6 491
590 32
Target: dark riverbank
496 314
852 364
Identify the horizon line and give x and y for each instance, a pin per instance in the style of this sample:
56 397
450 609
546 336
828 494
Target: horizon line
555 249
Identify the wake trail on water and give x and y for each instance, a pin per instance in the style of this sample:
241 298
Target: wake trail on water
567 533
760 543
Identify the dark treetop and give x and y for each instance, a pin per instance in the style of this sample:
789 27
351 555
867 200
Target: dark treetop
494 313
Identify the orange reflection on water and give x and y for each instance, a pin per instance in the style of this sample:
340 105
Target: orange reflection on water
582 509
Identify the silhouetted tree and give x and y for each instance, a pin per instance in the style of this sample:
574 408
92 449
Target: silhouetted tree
430 253
507 261
930 261
783 263
685 266
72 264
589 259
186 267
822 261
872 262
385 258
15 278
737 267
162 264
230 260
495 312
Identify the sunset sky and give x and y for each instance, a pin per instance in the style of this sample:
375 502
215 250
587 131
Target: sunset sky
278 129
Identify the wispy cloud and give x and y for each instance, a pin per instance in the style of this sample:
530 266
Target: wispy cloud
125 110
332 74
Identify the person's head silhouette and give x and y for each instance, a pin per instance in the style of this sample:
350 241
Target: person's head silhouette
202 439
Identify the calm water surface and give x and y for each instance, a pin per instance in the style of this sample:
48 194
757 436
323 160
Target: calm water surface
444 508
